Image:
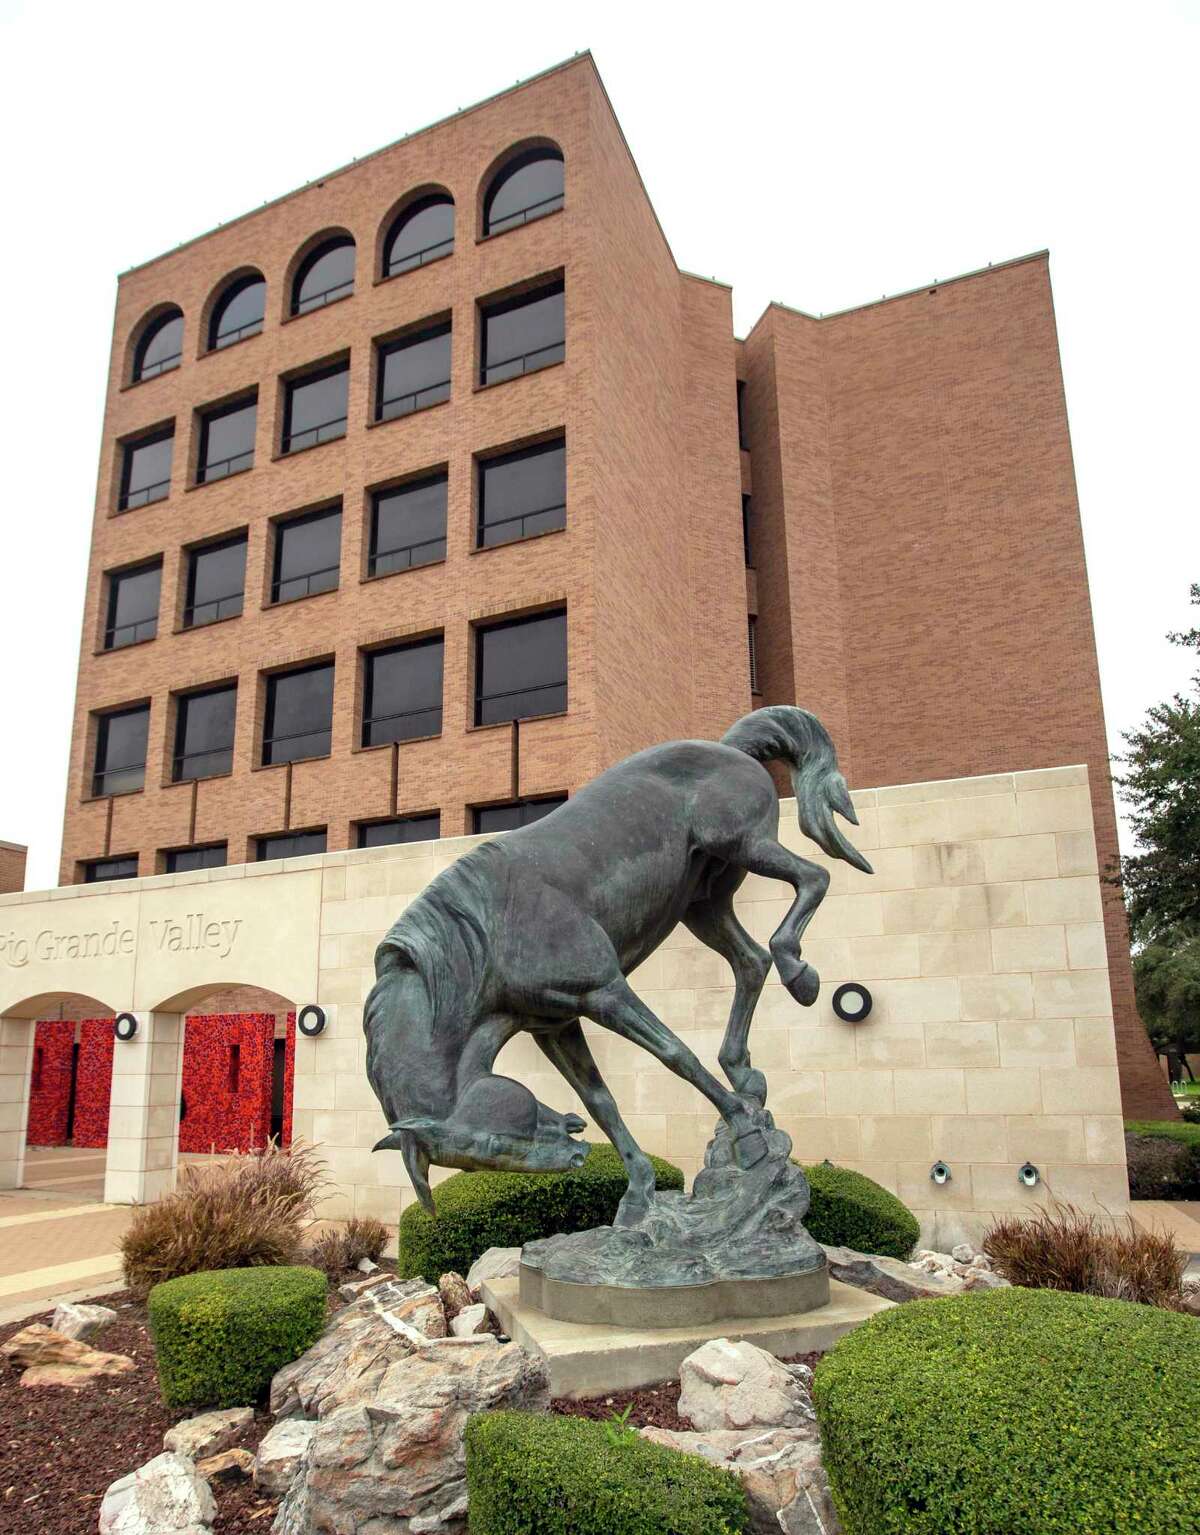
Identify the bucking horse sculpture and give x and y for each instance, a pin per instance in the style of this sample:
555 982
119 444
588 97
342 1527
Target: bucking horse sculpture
540 929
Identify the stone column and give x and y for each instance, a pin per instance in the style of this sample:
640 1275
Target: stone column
143 1115
16 1054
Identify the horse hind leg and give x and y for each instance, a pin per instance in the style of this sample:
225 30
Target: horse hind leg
714 923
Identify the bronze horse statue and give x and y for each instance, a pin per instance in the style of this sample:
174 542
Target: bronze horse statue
540 929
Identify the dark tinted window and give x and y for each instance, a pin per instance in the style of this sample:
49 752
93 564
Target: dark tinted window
307 554
413 373
523 493
746 515
299 714
521 669
238 312
403 693
521 335
315 409
521 812
121 751
753 642
412 828
525 189
292 844
132 606
423 232
216 582
408 526
743 440
325 274
204 733
227 440
109 868
160 348
146 472
182 860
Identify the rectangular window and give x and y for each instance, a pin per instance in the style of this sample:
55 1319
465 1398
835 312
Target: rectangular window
522 493
402 695
146 470
408 526
413 372
523 334
290 844
315 408
299 715
132 605
519 812
110 868
746 512
183 860
227 440
204 724
121 751
216 582
752 629
409 828
307 555
235 1067
743 440
521 668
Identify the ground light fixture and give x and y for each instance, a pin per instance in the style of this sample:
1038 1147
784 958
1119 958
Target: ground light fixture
310 1020
1029 1175
125 1026
852 1002
940 1172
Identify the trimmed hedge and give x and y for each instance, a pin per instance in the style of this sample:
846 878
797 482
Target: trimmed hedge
538 1474
220 1336
850 1210
476 1211
1013 1410
1153 1172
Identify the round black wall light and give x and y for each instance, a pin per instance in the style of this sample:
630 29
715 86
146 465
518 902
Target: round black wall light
852 1002
1029 1175
940 1172
310 1020
125 1026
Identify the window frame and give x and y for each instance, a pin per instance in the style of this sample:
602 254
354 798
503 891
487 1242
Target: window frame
411 486
504 172
490 309
401 343
287 444
490 460
128 448
192 553
480 698
281 527
271 681
430 253
150 332
113 579
231 291
217 413
103 720
179 756
332 242
370 658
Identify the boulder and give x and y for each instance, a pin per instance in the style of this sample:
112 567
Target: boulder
280 1453
163 1497
208 1433
496 1263
76 1320
455 1293
385 1323
963 1253
975 1277
229 1464
389 1459
889 1277
470 1320
50 1359
367 1266
728 1385
353 1288
780 1468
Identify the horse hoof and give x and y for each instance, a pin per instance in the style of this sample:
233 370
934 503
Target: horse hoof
805 986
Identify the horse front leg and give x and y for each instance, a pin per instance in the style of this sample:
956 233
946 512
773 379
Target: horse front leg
714 923
810 881
568 1051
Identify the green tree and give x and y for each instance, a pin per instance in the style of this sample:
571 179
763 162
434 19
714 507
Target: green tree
1166 973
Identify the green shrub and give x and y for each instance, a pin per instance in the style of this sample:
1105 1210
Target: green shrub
476 1211
220 1336
536 1474
1013 1410
1153 1175
850 1210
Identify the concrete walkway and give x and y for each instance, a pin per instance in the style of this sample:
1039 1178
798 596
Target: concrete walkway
51 1244
1177 1218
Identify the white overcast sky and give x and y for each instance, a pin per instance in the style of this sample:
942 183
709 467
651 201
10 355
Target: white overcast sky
818 154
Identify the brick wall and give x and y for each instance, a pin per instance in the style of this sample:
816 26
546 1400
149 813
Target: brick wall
12 866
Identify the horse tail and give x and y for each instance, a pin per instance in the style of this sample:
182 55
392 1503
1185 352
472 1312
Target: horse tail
783 733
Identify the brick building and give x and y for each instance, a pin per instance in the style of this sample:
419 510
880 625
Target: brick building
435 487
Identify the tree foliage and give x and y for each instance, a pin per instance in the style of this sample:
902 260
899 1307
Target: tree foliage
1166 973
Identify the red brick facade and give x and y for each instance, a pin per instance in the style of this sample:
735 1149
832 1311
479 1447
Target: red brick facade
918 569
12 867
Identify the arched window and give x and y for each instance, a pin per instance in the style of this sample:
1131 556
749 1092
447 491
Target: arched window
423 232
325 274
238 313
161 346
526 188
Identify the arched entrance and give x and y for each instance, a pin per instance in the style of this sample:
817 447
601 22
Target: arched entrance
239 1052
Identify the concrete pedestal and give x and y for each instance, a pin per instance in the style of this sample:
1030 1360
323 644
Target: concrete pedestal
587 1360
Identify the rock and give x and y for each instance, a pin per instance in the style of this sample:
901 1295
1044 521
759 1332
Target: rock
389 1459
1191 1302
50 1359
163 1497
455 1293
74 1320
39 1344
974 1278
470 1320
386 1322
280 1453
740 1386
889 1277
229 1464
496 1263
353 1288
367 1266
208 1433
780 1468
963 1253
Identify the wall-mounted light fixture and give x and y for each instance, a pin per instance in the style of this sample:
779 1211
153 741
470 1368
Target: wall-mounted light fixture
310 1020
125 1026
1029 1175
940 1172
852 1002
